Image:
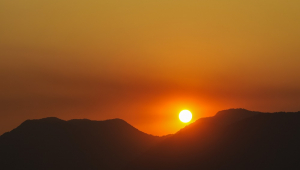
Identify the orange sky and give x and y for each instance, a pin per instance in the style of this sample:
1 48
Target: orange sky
145 61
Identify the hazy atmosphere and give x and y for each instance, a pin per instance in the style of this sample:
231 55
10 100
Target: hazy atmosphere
146 60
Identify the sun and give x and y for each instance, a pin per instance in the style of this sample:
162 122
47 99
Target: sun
185 116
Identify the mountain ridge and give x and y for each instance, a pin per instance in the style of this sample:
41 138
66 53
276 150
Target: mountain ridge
254 140
232 139
52 143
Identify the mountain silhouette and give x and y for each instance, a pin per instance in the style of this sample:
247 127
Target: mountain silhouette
51 143
233 139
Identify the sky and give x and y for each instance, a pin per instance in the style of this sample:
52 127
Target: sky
146 60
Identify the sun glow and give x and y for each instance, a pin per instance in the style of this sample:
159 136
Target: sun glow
185 116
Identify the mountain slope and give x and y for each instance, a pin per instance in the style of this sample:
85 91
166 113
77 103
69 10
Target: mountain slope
51 143
233 139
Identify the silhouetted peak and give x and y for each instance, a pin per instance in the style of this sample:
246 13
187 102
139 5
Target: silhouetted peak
121 125
88 120
233 139
54 120
116 120
44 120
239 112
109 122
232 111
47 120
52 143
50 120
222 118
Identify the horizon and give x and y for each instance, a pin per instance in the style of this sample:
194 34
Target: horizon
232 139
145 61
187 124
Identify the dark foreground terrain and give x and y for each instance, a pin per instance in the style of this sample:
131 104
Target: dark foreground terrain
54 144
232 139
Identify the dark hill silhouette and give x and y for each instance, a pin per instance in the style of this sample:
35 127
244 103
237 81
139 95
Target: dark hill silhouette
233 139
51 143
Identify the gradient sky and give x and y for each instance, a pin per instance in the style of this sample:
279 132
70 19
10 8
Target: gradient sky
146 60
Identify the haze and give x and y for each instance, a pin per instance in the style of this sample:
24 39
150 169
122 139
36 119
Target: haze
145 61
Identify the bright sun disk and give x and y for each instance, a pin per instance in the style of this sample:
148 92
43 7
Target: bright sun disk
185 116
